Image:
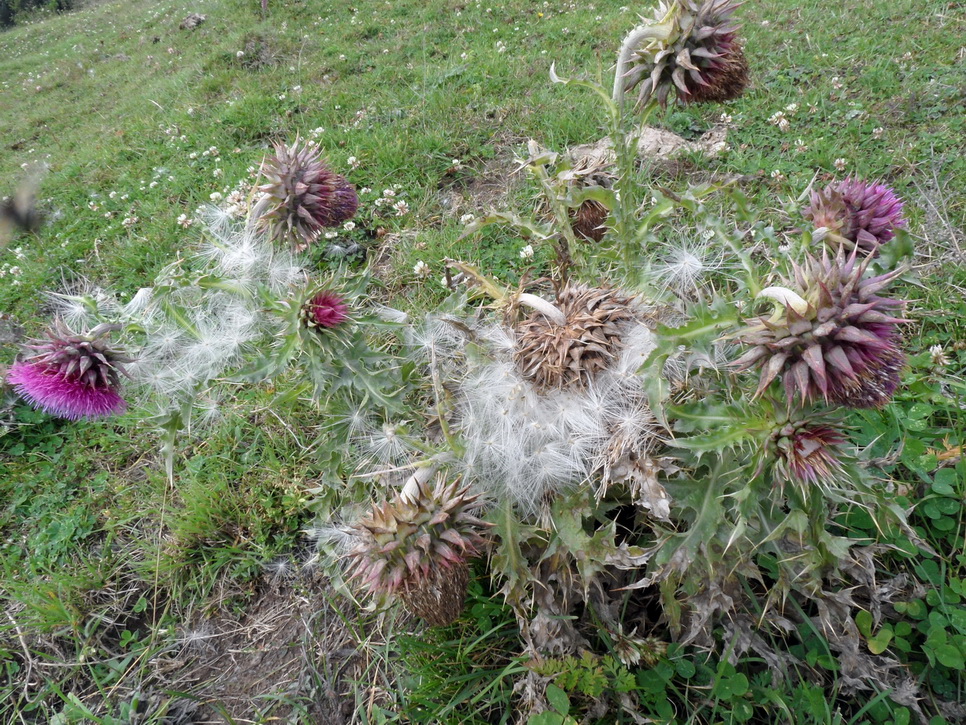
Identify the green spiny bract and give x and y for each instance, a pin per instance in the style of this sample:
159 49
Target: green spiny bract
417 549
833 338
302 195
691 48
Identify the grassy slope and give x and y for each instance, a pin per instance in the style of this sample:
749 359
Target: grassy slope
117 97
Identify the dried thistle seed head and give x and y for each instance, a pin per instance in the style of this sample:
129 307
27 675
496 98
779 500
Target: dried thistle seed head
72 376
303 195
831 337
857 213
589 220
418 549
554 355
692 49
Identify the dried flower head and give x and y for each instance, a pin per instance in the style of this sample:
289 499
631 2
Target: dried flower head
830 338
302 195
856 213
687 46
417 548
589 221
72 376
557 353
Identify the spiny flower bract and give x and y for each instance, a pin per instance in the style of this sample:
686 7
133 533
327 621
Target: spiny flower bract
696 54
417 549
303 195
840 344
72 376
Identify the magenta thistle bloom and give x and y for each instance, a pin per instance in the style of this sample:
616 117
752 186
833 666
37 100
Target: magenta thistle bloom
303 195
831 338
324 309
72 376
857 213
808 453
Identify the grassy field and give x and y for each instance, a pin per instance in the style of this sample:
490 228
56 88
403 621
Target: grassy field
127 600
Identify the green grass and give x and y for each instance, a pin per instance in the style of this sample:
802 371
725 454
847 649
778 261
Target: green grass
126 107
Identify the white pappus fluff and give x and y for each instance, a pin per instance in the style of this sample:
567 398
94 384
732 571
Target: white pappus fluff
524 444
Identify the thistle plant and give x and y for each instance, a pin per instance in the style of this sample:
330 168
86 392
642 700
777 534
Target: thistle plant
72 375
856 214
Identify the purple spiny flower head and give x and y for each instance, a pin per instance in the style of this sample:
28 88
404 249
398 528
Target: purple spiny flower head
324 309
808 452
72 376
857 213
831 337
689 47
302 194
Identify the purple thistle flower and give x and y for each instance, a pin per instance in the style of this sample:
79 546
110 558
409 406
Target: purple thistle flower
808 453
832 338
63 396
324 309
857 213
303 195
72 376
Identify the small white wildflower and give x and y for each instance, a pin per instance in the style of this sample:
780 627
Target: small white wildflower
776 118
800 146
184 221
777 175
217 173
401 207
112 195
792 108
129 222
725 118
527 252
938 357
215 196
240 54
389 192
467 219
349 226
353 162
840 164
784 125
877 132
421 269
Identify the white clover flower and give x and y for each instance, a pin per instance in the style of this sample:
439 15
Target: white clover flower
840 164
421 269
527 252
467 219
877 132
938 356
401 207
